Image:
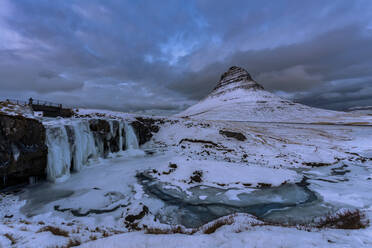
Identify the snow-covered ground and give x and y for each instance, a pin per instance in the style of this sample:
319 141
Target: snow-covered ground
196 171
14 109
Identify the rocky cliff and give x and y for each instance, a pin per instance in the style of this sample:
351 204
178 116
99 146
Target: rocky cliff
23 153
235 78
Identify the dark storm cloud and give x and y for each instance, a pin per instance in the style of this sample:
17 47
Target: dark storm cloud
333 95
151 55
337 54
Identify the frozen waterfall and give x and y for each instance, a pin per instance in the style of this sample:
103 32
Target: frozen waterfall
73 143
83 145
131 141
59 153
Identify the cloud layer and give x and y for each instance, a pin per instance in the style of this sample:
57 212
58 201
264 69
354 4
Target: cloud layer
163 56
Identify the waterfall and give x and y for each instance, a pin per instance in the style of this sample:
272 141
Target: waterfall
59 153
84 145
131 141
72 144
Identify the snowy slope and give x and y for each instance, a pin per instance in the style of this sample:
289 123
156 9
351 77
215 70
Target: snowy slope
238 97
10 108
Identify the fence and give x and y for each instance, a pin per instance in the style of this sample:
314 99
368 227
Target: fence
18 102
35 102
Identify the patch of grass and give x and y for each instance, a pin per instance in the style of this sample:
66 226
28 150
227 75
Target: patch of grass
350 219
217 224
357 123
131 218
54 230
264 185
25 222
11 238
73 243
213 228
171 230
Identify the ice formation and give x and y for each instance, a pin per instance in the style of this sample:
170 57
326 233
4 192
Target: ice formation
72 145
131 138
121 136
59 153
83 145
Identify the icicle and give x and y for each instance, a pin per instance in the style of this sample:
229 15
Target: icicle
120 136
111 128
131 140
59 154
32 180
16 152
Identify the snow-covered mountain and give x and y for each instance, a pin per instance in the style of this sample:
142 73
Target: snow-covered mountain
238 97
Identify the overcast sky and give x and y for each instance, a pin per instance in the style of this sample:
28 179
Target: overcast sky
166 55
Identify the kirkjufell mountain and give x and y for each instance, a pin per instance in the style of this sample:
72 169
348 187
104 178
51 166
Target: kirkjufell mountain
238 97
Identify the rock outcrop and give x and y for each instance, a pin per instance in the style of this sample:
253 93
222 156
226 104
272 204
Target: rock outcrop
144 127
23 153
233 79
107 136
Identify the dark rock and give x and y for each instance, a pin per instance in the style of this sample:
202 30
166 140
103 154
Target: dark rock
106 140
264 185
23 153
140 215
172 165
150 123
100 129
99 125
315 164
115 138
198 141
144 127
235 135
196 177
237 74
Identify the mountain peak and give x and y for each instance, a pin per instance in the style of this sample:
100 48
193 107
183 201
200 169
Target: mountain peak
234 78
236 71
